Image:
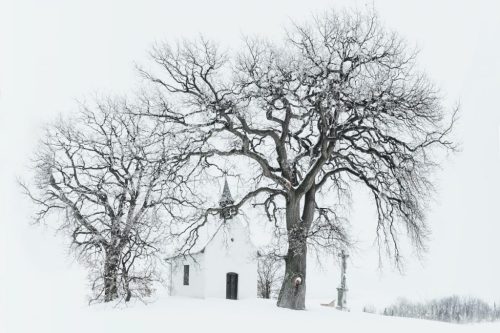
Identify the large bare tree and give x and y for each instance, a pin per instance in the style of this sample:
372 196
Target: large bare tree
101 177
338 102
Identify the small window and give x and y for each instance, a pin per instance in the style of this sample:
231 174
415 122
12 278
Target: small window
186 275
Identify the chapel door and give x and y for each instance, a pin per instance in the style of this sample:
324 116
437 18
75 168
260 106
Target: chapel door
232 286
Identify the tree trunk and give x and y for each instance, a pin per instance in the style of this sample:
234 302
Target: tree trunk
293 289
111 275
126 283
267 290
129 293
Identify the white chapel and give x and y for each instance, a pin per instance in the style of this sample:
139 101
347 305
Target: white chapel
225 267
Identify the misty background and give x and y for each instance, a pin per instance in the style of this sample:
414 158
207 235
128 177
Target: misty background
55 52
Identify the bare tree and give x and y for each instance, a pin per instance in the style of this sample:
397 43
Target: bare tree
104 177
269 275
338 102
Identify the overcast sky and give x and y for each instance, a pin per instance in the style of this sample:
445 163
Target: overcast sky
53 52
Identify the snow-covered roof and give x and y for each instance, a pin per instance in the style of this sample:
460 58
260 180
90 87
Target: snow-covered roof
226 199
198 248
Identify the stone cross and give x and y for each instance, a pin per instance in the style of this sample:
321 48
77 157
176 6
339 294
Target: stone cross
342 289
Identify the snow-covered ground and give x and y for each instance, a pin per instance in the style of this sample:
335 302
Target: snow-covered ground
175 314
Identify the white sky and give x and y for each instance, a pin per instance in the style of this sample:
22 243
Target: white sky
53 52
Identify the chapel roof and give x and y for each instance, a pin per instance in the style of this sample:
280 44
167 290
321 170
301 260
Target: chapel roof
225 200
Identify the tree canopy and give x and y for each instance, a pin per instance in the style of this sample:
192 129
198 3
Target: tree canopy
338 101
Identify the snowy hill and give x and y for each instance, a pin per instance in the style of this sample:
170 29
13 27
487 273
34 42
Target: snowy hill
175 314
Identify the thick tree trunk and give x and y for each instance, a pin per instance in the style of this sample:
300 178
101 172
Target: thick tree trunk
293 290
111 275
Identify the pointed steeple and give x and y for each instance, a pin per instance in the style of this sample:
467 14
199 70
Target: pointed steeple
226 202
226 198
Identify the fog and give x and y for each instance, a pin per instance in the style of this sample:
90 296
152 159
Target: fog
54 52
